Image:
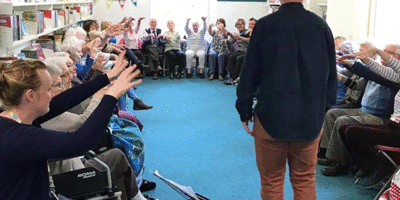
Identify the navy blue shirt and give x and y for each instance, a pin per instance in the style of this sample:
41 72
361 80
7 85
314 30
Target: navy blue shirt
291 62
25 149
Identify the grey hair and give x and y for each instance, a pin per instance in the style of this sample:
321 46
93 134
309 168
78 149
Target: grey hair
348 47
397 48
70 44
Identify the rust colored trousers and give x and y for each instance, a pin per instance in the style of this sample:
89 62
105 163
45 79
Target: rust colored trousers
271 156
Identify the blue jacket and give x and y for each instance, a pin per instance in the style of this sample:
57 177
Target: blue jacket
291 62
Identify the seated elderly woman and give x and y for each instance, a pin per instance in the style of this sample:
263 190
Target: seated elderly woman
121 171
196 46
132 37
236 58
173 50
91 27
219 49
25 88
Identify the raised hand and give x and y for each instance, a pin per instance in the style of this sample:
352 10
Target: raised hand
140 19
114 30
119 66
99 62
124 82
188 19
204 18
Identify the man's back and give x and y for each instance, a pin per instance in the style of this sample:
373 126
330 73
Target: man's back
291 59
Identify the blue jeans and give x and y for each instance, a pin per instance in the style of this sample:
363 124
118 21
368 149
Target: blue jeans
122 105
217 58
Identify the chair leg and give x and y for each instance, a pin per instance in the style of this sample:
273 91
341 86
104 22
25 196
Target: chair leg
387 184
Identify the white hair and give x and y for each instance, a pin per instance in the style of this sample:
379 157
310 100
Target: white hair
70 44
53 69
81 30
71 32
61 54
57 61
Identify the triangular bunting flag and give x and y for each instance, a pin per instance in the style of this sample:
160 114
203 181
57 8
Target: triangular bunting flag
108 2
122 3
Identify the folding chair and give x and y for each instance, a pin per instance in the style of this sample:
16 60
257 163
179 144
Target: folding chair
381 149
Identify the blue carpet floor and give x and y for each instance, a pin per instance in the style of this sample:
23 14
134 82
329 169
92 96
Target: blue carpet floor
194 137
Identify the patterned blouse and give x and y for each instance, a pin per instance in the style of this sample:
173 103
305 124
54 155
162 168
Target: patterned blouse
217 43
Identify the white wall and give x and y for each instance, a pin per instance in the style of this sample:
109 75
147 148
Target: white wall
348 18
115 13
230 11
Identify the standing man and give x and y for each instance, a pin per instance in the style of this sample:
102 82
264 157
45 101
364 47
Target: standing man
291 64
152 46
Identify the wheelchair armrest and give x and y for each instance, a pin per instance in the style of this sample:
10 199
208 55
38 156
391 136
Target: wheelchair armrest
90 154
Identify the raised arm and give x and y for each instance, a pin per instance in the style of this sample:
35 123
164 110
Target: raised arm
204 25
383 71
210 31
187 29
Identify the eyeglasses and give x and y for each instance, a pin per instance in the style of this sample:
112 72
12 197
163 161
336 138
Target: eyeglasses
60 85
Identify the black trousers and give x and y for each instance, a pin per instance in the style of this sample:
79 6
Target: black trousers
360 141
138 54
175 57
235 63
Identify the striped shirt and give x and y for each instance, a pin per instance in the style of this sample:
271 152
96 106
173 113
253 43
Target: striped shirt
196 41
391 72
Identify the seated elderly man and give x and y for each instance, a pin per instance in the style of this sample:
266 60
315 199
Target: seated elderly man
122 175
153 47
196 46
376 106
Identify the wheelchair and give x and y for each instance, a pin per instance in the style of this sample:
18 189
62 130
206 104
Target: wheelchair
88 183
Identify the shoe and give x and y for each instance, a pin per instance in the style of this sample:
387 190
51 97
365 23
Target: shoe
147 186
211 77
376 177
155 76
189 75
221 78
201 75
159 68
171 76
334 170
140 105
148 198
229 82
325 161
236 81
178 76
361 174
